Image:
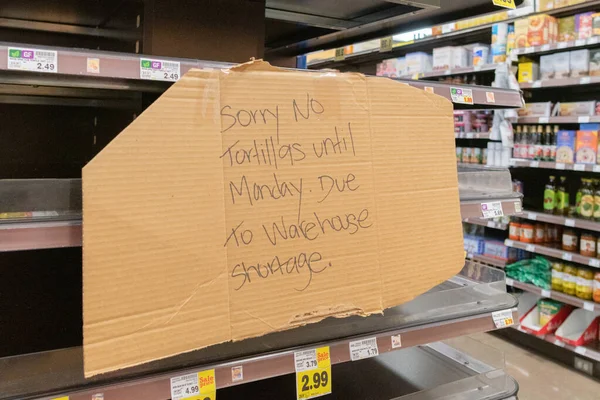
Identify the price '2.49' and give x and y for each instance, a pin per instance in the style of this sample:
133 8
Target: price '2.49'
173 77
45 66
318 379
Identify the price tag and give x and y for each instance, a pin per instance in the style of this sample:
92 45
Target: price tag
93 65
532 216
546 293
366 348
386 44
579 167
562 45
477 68
512 162
546 47
588 305
339 54
530 248
560 166
580 42
559 343
490 97
491 224
534 164
61 398
32 60
159 70
492 210
428 89
580 350
462 96
313 372
543 120
469 135
503 318
594 262
567 256
447 72
593 40
583 120
196 386
518 207
585 80
509 282
509 243
396 341
569 222
536 84
596 168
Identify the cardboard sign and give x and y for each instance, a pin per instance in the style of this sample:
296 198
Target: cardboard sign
252 200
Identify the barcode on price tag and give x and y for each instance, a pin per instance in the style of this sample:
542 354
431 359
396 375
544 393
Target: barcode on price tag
579 167
596 168
543 120
32 60
585 81
492 210
195 386
509 243
530 248
509 282
588 305
532 216
560 166
546 47
365 348
567 256
593 262
461 95
569 222
580 42
536 84
562 45
584 119
503 318
534 164
580 350
160 70
546 293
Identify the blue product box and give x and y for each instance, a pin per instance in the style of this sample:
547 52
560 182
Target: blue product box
565 146
589 127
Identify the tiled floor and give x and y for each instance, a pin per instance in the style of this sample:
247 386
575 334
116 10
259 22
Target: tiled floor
538 377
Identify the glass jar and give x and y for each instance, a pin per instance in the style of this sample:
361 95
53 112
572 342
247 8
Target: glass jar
569 240
587 245
596 292
527 232
584 284
540 233
514 229
557 276
569 279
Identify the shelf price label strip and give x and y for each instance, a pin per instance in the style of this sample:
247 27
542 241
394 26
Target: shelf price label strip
32 60
313 372
196 386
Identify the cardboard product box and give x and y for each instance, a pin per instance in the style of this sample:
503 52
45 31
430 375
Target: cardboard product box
565 146
539 30
584 25
595 62
498 53
497 249
474 244
579 62
528 72
536 109
545 318
586 147
521 30
500 33
562 64
544 5
252 200
566 29
577 109
418 62
589 127
481 54
580 328
596 24
460 57
510 43
443 58
547 66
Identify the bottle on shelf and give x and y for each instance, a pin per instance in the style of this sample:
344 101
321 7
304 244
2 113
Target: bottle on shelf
562 197
587 200
550 195
517 144
578 198
532 143
547 144
538 152
553 143
596 214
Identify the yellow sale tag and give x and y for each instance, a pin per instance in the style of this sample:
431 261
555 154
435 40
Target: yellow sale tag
505 3
200 386
313 372
208 385
386 44
61 398
339 54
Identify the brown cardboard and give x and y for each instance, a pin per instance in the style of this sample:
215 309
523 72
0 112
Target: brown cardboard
168 220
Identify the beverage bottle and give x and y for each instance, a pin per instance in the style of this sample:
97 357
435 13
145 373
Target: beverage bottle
538 149
550 195
597 202
532 142
553 145
547 144
517 143
578 199
587 200
562 197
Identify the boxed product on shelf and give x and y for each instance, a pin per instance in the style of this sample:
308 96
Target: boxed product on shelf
565 146
583 25
497 249
547 66
544 5
393 68
561 63
536 109
579 63
480 54
521 29
528 71
596 24
418 62
510 42
580 328
542 29
545 317
449 57
474 244
499 33
595 62
577 109
498 53
133 203
586 147
566 29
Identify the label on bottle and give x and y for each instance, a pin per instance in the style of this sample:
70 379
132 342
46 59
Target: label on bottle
587 246
587 205
597 206
549 199
527 235
514 231
531 151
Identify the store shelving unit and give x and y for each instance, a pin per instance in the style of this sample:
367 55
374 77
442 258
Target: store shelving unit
553 252
453 71
560 220
486 223
472 135
495 262
554 83
558 47
559 120
517 162
464 304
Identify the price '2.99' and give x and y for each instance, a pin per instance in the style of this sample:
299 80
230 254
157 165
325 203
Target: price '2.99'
319 379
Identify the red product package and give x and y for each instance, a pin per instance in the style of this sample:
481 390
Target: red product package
584 24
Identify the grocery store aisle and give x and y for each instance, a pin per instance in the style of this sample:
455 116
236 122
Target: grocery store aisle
538 377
